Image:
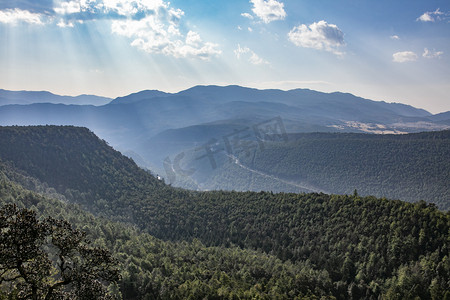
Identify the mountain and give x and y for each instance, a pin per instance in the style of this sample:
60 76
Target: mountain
311 101
72 160
139 96
443 118
30 97
408 167
157 126
213 103
174 243
145 114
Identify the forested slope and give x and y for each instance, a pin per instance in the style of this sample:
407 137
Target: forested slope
364 246
409 167
156 269
73 161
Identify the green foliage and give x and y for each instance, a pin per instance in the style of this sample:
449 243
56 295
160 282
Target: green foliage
73 161
48 259
156 269
408 167
179 244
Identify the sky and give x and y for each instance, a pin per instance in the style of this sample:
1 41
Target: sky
395 51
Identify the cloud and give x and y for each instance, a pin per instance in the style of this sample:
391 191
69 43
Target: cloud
70 7
62 24
152 25
256 60
159 33
404 56
134 7
109 9
268 10
252 56
250 29
432 54
247 15
407 56
14 16
394 37
426 17
319 35
432 16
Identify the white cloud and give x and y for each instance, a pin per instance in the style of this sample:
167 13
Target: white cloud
252 56
193 38
432 16
71 7
62 23
132 7
426 17
111 9
404 56
319 35
250 29
394 37
200 50
256 60
247 15
268 10
159 33
239 51
14 16
431 54
152 25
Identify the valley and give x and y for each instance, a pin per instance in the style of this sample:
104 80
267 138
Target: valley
154 128
176 243
224 150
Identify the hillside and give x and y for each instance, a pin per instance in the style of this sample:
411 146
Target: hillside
70 160
391 249
156 269
30 97
407 167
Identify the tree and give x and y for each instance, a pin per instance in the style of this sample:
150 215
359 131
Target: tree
48 259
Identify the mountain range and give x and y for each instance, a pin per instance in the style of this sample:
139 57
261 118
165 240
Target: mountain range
30 97
172 243
155 128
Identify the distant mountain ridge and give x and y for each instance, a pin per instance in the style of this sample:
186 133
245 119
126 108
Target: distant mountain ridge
217 94
154 125
442 117
139 96
220 94
30 97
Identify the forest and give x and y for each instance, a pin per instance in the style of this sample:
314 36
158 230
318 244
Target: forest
179 244
408 167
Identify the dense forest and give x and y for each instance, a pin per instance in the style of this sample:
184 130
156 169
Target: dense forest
156 269
407 167
175 244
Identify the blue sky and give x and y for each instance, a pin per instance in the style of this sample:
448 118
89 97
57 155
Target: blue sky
396 51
